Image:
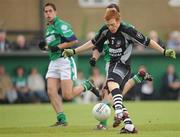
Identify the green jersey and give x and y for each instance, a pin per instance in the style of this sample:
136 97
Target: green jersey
56 33
106 52
20 81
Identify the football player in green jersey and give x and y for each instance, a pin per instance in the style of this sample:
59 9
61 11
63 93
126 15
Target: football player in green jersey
61 71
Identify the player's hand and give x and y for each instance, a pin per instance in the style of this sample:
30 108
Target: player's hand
54 48
42 45
170 53
92 62
68 53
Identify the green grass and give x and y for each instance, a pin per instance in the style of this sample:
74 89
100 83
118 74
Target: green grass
153 119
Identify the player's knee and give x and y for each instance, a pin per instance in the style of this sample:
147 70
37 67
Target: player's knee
67 96
51 91
105 93
112 85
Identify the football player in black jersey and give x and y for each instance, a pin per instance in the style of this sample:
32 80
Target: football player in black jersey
121 38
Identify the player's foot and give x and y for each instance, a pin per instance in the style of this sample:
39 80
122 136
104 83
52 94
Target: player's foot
125 131
59 124
95 91
141 76
117 122
145 75
89 85
101 127
117 119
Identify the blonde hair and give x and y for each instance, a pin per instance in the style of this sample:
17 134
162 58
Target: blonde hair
111 13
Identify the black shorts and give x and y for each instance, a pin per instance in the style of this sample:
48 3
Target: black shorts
119 73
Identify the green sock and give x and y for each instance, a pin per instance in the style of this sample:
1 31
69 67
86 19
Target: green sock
107 103
61 117
104 123
87 85
137 78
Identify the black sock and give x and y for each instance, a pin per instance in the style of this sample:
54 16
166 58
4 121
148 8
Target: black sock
126 118
117 98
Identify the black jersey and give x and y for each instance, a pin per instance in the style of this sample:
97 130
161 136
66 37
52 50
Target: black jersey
121 42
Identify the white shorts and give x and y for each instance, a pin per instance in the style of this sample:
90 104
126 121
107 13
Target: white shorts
62 68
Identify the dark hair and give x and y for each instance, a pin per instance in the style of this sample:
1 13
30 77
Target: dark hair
50 4
113 5
19 67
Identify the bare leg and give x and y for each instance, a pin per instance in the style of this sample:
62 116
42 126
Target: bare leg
54 97
129 84
68 91
138 78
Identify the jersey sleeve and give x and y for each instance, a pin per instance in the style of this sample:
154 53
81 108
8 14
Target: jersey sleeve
135 36
100 48
127 24
65 30
100 37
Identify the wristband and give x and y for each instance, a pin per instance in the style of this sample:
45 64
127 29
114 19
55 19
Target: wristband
164 53
74 51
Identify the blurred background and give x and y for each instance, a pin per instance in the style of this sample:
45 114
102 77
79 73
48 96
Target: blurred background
23 66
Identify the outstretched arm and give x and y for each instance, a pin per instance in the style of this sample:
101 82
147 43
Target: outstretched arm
156 46
70 52
166 52
85 47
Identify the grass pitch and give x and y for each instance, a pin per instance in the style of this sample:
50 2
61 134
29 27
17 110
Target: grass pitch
153 119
